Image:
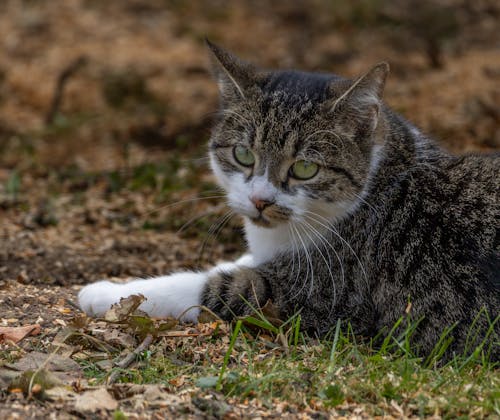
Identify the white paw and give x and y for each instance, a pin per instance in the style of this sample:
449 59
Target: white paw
96 298
176 295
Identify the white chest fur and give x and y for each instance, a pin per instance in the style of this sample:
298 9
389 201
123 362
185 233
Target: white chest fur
265 243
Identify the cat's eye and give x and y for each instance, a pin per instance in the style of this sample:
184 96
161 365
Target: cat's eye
243 156
303 169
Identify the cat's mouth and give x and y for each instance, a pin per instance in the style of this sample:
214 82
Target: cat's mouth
271 216
260 220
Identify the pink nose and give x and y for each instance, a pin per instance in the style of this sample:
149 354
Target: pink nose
260 204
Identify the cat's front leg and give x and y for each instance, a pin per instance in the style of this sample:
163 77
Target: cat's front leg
173 295
236 292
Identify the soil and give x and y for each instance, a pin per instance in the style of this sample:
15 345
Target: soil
101 188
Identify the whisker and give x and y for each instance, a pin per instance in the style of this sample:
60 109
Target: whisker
188 200
295 248
328 264
322 238
290 233
308 260
214 230
194 219
330 227
240 118
366 202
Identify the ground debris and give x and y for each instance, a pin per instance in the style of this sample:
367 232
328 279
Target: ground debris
95 400
16 334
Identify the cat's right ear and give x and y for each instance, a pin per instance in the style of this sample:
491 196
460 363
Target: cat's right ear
234 76
362 100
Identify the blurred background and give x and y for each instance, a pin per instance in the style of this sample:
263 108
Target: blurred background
106 107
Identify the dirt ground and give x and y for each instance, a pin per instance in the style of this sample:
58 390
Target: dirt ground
101 184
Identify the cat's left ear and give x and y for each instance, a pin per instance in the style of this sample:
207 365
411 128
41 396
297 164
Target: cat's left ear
233 75
362 100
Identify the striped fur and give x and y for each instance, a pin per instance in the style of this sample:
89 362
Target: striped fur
412 223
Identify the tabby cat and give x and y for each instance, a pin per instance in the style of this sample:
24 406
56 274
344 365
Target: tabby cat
350 213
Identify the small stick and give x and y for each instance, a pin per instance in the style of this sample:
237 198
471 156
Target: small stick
59 89
127 361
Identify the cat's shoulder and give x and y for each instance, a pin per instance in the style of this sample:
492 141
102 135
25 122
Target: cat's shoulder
449 185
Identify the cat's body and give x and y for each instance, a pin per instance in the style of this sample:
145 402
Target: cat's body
350 213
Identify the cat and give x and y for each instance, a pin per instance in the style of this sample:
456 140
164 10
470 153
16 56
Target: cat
350 213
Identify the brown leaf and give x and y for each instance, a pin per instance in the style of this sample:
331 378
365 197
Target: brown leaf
60 394
39 381
79 321
16 334
119 312
62 367
272 313
118 338
92 401
206 317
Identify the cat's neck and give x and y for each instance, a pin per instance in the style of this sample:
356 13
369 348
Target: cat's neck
403 148
406 146
265 243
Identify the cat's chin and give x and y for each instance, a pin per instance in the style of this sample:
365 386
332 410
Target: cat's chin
262 222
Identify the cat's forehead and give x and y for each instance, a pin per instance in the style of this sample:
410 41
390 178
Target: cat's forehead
297 84
282 115
292 98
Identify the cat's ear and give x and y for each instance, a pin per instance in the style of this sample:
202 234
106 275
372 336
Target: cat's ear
233 75
362 100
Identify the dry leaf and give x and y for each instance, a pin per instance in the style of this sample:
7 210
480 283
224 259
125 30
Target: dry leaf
64 368
34 382
118 338
272 313
60 394
95 400
119 312
16 334
206 317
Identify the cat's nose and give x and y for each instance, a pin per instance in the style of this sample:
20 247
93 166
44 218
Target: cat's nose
260 203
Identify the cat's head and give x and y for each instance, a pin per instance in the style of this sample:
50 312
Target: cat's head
291 146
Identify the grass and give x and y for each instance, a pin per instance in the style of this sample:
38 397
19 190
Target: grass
259 363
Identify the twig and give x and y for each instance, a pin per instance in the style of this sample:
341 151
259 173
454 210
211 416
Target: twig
125 363
59 89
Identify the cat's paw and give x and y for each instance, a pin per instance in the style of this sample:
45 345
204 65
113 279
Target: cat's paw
96 298
177 295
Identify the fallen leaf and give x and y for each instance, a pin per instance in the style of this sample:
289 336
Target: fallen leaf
92 401
118 338
35 382
206 317
154 395
64 368
16 334
119 312
177 381
60 394
35 359
272 314
60 322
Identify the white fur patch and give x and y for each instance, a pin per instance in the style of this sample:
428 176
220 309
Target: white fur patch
173 295
165 296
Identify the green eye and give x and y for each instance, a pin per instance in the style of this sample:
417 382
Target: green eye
243 155
303 169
